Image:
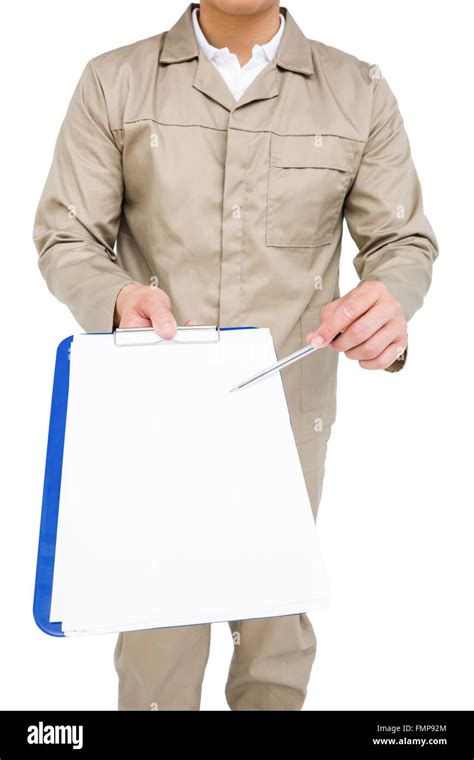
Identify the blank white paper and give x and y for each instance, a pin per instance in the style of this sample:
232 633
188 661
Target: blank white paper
181 503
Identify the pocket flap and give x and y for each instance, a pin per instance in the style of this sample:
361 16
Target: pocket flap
321 152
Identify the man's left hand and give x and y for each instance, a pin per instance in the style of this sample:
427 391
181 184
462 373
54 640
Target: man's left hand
372 327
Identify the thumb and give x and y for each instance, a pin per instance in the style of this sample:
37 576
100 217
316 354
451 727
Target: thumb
162 320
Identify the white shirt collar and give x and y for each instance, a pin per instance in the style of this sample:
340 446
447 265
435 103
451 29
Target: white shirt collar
267 50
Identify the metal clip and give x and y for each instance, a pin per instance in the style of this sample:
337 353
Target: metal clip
147 336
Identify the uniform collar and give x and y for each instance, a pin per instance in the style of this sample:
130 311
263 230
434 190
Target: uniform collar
293 53
266 51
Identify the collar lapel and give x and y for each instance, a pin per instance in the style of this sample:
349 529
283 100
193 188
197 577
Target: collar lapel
208 81
293 54
294 50
181 45
263 87
180 42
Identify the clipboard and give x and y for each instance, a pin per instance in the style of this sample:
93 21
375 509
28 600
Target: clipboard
48 531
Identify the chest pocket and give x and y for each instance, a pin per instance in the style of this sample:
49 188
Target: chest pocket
308 180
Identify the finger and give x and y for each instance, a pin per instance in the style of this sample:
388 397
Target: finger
363 328
133 319
190 322
156 307
386 358
377 343
163 322
358 302
327 309
309 337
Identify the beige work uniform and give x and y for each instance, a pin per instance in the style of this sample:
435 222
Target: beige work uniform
235 210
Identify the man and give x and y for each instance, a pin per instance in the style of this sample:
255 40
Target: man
222 157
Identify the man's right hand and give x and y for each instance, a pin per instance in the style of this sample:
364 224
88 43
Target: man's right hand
146 306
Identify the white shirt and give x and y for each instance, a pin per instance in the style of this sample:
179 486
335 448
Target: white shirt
237 77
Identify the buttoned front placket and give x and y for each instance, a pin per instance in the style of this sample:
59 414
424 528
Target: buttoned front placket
235 189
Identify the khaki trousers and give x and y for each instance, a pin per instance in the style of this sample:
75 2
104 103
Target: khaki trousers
163 669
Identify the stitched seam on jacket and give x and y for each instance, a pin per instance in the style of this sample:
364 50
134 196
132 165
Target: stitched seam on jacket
240 129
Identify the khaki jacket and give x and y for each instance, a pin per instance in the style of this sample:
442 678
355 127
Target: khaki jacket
235 209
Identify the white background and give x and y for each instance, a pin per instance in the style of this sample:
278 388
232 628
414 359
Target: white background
397 518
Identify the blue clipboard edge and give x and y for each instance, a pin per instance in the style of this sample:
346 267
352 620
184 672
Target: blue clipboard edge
51 492
52 488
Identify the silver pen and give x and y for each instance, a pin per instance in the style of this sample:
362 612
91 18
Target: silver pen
285 362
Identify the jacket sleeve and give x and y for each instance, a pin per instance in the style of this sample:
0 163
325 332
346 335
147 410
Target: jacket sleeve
384 211
78 216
